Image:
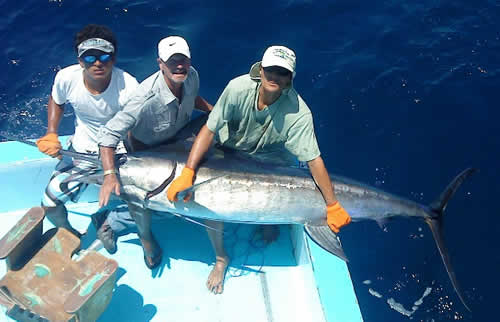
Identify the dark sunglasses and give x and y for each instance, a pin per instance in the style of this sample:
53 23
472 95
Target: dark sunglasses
90 59
280 71
174 61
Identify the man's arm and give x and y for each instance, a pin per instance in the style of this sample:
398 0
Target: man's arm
322 179
109 137
216 120
49 143
336 215
200 147
110 183
185 180
202 105
55 113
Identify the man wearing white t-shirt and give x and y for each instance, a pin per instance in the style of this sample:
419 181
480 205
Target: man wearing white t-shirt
97 91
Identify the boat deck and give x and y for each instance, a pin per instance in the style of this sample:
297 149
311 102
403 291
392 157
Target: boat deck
278 282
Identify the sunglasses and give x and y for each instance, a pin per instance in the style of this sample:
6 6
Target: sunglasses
280 71
176 60
90 59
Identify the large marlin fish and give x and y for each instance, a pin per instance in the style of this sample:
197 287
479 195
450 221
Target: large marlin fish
233 188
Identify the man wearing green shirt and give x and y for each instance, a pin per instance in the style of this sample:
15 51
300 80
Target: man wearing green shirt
261 113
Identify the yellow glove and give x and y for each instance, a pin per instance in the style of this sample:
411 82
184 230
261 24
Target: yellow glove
337 217
184 181
49 144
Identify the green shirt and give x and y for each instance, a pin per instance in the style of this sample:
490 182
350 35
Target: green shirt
284 127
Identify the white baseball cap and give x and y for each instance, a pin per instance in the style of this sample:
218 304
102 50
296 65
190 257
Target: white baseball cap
172 45
279 56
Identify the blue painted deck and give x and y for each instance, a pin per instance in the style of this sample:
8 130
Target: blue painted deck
274 283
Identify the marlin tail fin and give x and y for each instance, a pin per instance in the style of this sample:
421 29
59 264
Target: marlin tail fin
435 224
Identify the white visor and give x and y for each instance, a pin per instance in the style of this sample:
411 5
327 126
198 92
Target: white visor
97 44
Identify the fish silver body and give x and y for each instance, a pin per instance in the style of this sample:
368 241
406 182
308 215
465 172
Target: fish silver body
236 189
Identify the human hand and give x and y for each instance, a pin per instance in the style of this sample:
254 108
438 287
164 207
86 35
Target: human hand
110 185
182 182
49 144
337 217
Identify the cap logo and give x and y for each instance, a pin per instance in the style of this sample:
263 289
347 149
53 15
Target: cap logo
95 43
172 45
279 52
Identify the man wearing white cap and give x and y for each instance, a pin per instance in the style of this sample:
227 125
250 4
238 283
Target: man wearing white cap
161 106
261 114
97 90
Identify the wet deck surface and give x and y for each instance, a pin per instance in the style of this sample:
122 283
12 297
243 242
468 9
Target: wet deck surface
263 283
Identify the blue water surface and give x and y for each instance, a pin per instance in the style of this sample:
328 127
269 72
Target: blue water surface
404 96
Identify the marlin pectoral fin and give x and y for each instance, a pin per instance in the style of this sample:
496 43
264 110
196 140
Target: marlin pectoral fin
326 239
183 193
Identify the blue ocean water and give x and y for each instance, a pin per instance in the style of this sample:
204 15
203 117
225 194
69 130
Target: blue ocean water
403 95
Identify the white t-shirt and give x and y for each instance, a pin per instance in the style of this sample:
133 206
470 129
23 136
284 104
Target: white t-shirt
92 111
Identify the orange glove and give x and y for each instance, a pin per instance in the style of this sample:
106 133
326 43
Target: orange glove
184 181
49 144
337 217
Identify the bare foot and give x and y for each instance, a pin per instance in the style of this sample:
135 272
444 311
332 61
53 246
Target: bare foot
215 282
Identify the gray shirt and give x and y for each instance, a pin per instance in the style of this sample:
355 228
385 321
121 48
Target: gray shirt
154 113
